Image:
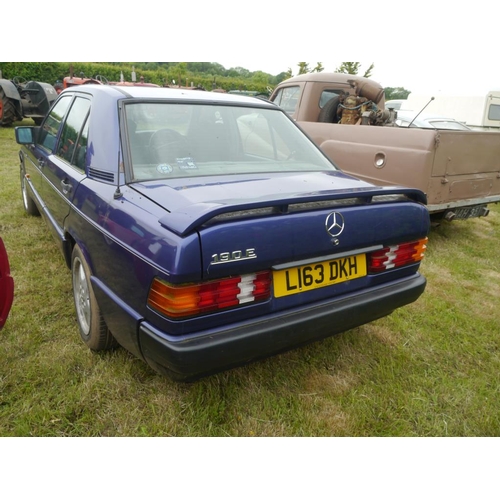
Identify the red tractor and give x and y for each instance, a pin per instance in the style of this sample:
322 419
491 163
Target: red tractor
71 80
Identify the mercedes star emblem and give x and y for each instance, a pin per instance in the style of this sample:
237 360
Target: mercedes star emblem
334 224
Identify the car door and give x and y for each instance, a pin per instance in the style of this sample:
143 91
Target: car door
36 154
64 165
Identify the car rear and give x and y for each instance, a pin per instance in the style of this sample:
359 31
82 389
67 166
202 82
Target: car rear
274 245
227 235
285 271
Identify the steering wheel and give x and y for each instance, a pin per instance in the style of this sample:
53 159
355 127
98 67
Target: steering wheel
166 145
19 80
102 79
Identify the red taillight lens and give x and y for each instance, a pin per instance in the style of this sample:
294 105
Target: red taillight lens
397 256
178 301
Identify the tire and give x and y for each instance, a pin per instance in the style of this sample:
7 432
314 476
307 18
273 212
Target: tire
28 203
329 112
93 329
8 113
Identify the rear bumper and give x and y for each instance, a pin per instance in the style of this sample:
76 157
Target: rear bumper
237 344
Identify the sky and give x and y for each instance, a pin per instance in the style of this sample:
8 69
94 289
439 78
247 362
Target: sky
436 76
426 47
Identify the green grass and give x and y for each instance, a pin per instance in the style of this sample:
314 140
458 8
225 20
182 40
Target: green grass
429 369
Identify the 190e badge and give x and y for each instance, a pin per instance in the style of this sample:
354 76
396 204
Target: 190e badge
236 255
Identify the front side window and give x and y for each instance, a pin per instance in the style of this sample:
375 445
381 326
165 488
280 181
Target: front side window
168 140
48 133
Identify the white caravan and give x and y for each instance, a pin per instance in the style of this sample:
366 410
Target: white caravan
476 111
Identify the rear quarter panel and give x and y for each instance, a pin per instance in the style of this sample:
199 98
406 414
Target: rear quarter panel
126 247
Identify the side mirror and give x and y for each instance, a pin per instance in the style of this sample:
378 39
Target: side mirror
25 135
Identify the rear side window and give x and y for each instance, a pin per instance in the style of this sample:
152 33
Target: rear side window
81 148
48 134
73 143
494 112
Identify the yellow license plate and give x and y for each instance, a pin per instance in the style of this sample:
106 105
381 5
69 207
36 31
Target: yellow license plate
317 275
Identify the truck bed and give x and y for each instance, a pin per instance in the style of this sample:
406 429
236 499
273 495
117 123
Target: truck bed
454 168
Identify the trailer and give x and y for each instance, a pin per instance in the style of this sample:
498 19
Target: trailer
476 111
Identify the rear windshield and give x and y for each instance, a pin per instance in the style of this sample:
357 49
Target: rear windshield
167 140
449 125
287 98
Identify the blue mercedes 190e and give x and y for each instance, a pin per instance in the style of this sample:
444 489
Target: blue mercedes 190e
204 230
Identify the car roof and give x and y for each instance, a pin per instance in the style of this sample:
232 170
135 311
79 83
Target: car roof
425 118
343 78
136 92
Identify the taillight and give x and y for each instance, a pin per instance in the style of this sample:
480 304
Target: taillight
178 301
397 256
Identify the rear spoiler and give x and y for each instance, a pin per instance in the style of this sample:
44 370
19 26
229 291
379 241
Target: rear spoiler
184 221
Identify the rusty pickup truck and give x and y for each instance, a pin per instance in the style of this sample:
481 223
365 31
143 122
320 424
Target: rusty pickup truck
346 116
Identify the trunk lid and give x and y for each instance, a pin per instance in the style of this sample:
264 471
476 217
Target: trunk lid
248 223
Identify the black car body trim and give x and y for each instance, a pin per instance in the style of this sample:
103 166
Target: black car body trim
247 341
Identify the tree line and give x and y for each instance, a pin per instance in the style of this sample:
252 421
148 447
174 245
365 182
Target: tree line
207 75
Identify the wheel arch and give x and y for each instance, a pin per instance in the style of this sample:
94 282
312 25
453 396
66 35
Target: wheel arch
11 108
10 90
67 249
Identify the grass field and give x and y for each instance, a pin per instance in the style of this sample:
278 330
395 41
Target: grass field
429 369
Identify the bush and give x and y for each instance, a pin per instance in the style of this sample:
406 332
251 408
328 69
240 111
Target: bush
199 74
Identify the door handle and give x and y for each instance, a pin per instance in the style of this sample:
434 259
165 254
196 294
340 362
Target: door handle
66 187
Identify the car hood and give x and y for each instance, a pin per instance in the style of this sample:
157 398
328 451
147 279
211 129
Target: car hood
190 202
